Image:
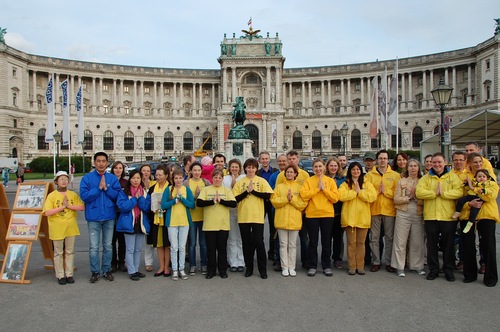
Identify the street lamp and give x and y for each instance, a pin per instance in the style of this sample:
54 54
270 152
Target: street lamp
57 140
442 94
343 133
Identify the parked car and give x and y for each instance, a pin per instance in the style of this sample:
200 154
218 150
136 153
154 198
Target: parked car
131 167
307 165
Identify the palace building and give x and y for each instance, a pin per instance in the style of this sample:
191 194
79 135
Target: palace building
142 113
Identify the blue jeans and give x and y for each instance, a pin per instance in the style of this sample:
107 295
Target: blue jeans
197 229
96 228
177 235
6 180
133 245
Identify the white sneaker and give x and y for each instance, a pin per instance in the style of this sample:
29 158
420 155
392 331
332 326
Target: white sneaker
204 270
285 273
183 275
175 275
292 273
400 273
192 271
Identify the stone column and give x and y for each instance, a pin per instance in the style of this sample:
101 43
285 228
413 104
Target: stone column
322 93
362 91
342 92
278 85
33 91
309 94
93 95
200 97
410 91
213 97
155 97
181 97
329 103
113 99
141 95
454 86
431 84
303 96
349 99
268 84
175 95
224 85
233 87
469 84
425 102
120 102
134 95
290 98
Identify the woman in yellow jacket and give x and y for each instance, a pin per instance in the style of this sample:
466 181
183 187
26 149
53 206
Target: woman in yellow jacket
288 218
486 226
357 195
320 192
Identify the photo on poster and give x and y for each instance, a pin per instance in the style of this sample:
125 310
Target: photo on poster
24 226
30 196
15 262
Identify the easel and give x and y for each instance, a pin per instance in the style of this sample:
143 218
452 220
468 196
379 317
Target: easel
21 206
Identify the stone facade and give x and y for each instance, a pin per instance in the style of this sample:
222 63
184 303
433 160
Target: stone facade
138 113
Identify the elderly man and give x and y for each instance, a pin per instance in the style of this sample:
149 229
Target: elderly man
439 189
383 211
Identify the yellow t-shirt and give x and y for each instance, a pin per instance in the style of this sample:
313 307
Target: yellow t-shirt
301 177
251 208
157 190
216 217
179 215
196 213
62 224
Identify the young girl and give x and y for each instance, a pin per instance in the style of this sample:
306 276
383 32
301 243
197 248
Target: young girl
479 186
357 194
134 204
60 207
196 184
288 218
216 201
177 200
207 168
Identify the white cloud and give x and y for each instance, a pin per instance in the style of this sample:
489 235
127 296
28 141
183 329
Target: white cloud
17 41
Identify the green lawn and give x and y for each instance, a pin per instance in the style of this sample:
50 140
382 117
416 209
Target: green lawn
37 176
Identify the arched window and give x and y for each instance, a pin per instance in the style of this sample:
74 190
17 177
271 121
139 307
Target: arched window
393 139
356 139
297 140
416 137
88 140
128 141
436 130
336 139
253 132
187 141
168 141
149 141
208 144
41 140
107 139
316 140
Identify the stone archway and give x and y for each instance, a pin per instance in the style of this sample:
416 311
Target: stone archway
16 145
253 131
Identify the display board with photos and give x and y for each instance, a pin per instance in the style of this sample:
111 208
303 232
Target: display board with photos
24 225
31 195
15 262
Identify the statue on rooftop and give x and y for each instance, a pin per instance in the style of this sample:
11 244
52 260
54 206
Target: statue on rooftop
497 28
2 34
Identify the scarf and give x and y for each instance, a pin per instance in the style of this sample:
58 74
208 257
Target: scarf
133 192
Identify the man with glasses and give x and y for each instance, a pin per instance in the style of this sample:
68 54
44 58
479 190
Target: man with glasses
383 211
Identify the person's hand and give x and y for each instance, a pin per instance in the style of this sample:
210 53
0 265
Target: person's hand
321 184
137 194
439 191
290 195
65 202
217 197
250 186
476 203
357 189
381 188
411 193
197 191
102 183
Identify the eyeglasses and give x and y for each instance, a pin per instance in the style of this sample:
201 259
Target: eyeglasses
381 158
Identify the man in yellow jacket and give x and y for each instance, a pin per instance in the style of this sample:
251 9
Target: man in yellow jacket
384 179
439 189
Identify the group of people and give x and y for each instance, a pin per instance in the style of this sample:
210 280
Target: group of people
399 214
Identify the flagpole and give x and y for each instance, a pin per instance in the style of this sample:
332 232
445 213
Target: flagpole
397 106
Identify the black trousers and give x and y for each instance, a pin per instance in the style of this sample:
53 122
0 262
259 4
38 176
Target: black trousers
337 233
447 230
118 250
268 207
304 244
252 238
486 230
216 251
314 225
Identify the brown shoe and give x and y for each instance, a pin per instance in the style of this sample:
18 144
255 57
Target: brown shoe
149 268
390 269
375 267
482 269
459 266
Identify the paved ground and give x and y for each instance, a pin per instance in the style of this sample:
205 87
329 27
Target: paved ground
376 301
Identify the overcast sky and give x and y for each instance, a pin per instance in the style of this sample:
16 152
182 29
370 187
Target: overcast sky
187 34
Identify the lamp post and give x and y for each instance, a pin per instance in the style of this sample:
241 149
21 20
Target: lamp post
343 132
442 94
57 140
